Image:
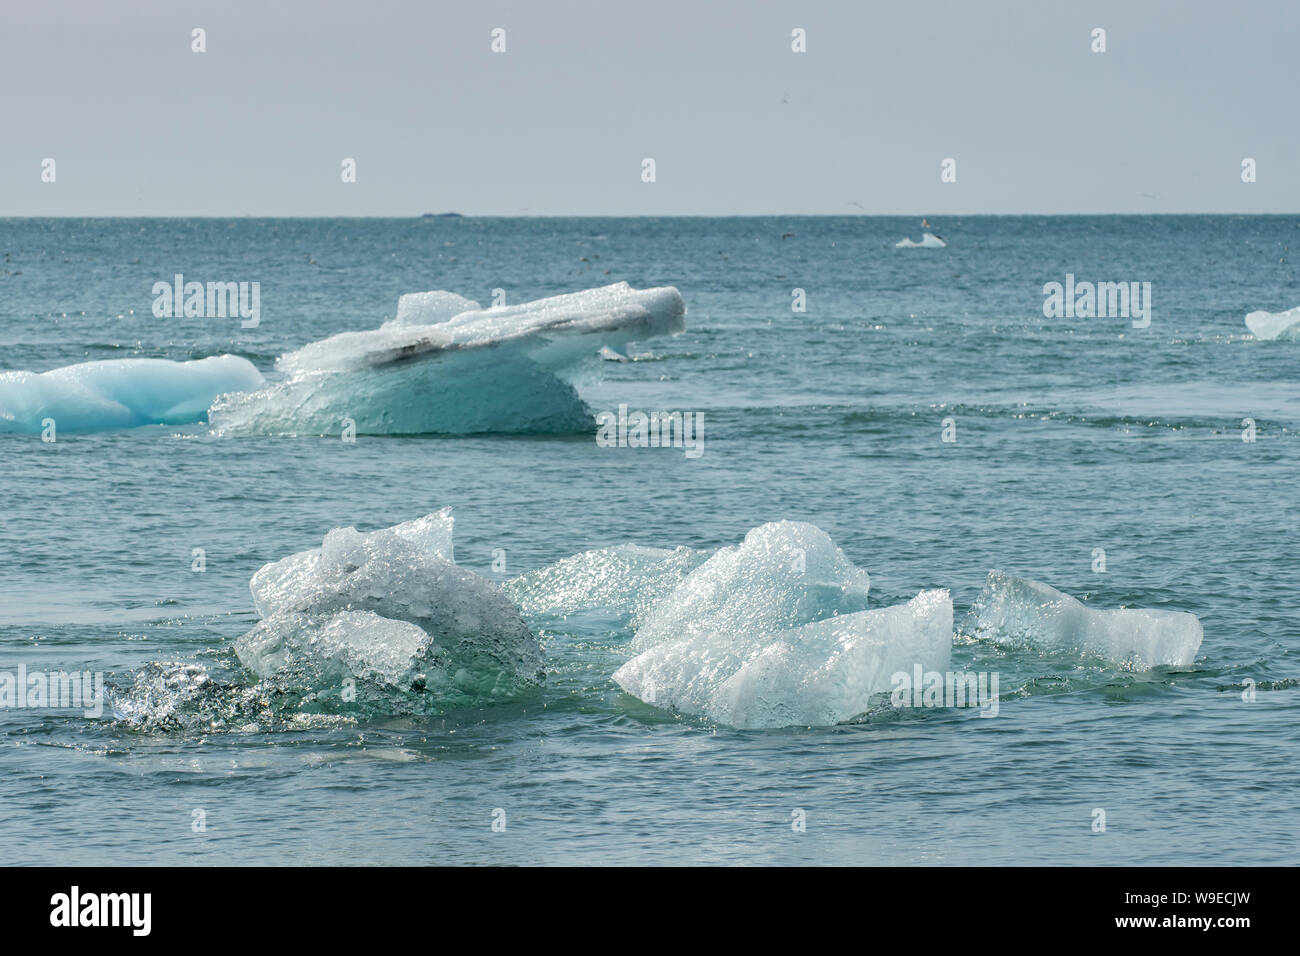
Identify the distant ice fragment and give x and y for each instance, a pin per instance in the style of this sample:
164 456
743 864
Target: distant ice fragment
1015 610
1267 326
928 241
120 393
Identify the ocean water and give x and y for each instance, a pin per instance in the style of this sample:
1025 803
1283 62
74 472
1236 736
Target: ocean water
1071 435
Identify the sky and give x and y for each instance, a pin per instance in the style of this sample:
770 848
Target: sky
737 123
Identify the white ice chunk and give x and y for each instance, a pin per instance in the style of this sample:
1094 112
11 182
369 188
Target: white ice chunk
784 573
612 315
1271 325
1015 610
818 674
928 241
430 308
294 582
389 609
120 393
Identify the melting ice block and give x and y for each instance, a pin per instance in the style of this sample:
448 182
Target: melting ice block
478 370
774 632
120 393
1272 325
1015 610
388 609
817 674
784 573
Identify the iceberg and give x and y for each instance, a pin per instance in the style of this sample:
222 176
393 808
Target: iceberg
475 370
928 241
385 622
1019 611
1267 326
120 393
817 674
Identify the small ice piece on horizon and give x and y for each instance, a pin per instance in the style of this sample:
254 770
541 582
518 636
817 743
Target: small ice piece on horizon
1267 326
818 674
120 393
389 611
928 241
1014 610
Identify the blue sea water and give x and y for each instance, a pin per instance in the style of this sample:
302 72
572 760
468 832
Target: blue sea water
1072 435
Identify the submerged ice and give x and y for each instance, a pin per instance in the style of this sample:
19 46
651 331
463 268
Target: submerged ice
1015 610
385 621
120 393
445 365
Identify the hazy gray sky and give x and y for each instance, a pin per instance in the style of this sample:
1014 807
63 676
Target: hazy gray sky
559 124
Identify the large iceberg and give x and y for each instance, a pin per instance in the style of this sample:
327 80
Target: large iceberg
120 393
1272 325
1019 611
385 622
434 369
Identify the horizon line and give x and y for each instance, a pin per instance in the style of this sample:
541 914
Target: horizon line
755 215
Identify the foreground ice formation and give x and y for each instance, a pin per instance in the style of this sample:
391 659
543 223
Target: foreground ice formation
120 393
816 674
385 621
444 365
784 573
928 241
1272 325
1015 610
773 632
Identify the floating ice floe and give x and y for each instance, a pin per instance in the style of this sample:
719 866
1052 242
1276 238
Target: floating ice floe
120 393
387 616
928 241
784 573
1266 326
816 674
1015 610
475 370
774 633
